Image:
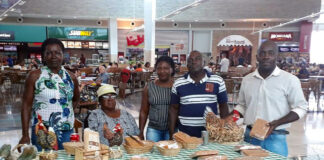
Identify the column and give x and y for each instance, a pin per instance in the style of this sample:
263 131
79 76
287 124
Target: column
149 31
113 40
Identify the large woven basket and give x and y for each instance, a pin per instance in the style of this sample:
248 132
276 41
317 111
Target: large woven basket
70 147
168 152
148 146
187 145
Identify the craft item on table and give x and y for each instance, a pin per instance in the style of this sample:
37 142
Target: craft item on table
223 131
204 153
168 148
91 140
214 157
48 155
134 145
255 153
260 129
115 153
187 141
29 152
5 151
115 137
45 138
70 147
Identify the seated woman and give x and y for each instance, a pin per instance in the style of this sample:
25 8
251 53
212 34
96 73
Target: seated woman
112 124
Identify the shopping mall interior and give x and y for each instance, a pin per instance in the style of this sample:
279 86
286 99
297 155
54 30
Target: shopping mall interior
117 43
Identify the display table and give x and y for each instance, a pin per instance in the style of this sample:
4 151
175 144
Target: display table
184 154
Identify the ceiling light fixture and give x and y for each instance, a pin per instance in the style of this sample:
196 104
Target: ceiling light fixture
196 20
1 19
172 20
221 20
13 9
22 3
48 16
196 4
290 22
5 15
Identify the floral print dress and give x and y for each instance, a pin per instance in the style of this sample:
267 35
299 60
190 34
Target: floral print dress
53 99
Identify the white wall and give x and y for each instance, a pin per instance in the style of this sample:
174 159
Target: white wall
201 41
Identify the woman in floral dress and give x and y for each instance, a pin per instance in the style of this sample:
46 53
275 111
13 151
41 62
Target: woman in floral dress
51 93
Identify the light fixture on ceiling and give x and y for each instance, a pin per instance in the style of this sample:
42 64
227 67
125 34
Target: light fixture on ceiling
21 14
49 16
12 9
172 20
290 22
196 20
1 19
196 4
221 20
22 3
5 15
75 17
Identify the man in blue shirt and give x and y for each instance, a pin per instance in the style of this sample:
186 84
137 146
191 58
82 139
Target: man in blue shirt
10 61
192 93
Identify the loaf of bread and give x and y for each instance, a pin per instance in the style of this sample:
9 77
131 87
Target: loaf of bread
255 153
260 129
204 153
185 138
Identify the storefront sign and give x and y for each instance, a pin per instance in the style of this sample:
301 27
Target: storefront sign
7 35
281 36
134 40
234 40
78 33
288 49
305 36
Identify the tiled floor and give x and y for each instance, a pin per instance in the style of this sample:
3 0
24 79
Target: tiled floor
305 138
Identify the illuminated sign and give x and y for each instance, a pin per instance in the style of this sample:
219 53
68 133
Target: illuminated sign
7 35
281 36
80 33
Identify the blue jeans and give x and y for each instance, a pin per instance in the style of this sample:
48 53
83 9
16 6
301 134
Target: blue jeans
156 135
65 138
275 143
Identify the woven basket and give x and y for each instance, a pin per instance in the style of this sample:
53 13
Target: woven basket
168 152
70 147
187 145
148 146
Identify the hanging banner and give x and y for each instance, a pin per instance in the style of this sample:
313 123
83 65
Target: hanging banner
133 40
281 36
305 36
78 33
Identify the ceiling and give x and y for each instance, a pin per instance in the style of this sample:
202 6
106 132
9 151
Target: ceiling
202 11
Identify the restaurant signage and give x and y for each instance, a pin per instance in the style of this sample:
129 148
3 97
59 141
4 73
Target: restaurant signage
7 35
134 40
288 49
281 36
234 40
78 33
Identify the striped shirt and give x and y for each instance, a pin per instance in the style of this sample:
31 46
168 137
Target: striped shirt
193 98
159 100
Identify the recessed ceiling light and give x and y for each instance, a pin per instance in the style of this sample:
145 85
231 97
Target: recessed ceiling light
221 20
21 15
48 16
163 18
1 19
12 9
5 15
75 17
172 20
196 20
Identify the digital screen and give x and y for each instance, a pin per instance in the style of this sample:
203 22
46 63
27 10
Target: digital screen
77 44
10 48
105 45
92 45
70 44
98 45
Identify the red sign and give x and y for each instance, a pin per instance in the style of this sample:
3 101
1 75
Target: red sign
135 41
281 36
305 36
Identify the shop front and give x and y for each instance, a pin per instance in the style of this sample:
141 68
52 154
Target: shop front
237 48
90 42
21 42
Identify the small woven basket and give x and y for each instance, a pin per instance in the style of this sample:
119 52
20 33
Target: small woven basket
168 152
70 147
148 146
186 145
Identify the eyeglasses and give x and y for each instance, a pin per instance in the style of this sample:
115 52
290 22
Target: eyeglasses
109 97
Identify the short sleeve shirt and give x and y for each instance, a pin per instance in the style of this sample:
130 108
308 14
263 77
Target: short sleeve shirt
193 98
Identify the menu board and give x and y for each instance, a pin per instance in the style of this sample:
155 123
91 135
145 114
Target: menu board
85 44
70 44
77 44
92 45
64 44
105 45
98 45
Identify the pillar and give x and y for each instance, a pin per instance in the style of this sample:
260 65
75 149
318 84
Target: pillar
149 31
113 40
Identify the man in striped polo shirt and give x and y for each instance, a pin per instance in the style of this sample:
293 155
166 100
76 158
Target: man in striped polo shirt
192 93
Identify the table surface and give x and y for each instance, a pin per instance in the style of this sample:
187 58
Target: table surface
184 154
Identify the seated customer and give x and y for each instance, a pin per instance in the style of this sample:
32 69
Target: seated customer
303 72
103 76
105 119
